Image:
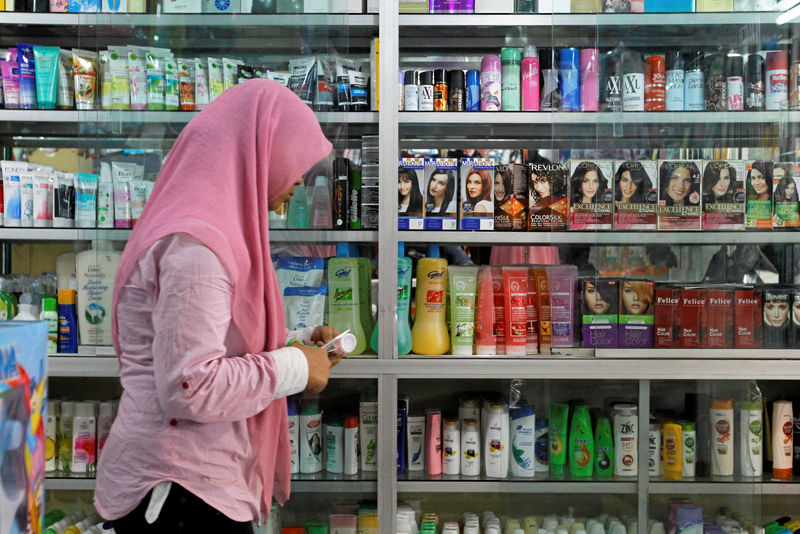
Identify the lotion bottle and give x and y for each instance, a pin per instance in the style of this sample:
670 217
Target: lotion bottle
96 269
343 296
429 334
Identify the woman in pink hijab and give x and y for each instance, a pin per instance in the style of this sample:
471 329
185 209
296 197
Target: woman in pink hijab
200 443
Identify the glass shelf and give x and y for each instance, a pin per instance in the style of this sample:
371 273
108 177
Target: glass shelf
726 486
88 234
419 482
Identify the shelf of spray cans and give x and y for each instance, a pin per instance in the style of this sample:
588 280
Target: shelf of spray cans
276 236
595 238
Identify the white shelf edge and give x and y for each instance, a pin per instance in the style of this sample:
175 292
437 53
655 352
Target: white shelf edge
69 484
190 19
155 117
587 19
699 354
616 237
740 487
299 486
517 486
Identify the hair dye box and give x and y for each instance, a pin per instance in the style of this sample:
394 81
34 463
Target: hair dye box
410 199
747 317
794 332
635 195
562 281
441 193
636 313
510 197
719 321
777 302
786 204
591 199
679 195
548 205
758 190
476 209
599 317
666 315
723 194
691 318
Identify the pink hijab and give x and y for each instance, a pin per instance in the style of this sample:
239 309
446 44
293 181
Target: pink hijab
244 149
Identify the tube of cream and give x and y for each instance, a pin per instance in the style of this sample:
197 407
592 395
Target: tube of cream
106 81
172 89
120 79
84 64
485 342
137 77
359 91
10 71
200 83
47 65
515 291
343 66
303 79
42 198
122 174
150 187
26 198
499 310
64 200
12 194
186 79
138 198
105 197
230 72
216 78
27 76
156 78
86 200
532 345
462 283
433 443
65 98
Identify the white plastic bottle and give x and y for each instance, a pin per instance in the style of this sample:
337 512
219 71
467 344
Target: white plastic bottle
368 433
84 437
722 437
51 437
523 441
50 314
334 445
105 418
654 450
751 432
626 440
25 312
351 461
496 442
782 439
294 435
689 438
310 437
415 430
321 205
470 447
451 447
96 269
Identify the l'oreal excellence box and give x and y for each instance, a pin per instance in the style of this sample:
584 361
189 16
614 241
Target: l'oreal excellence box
723 194
636 313
599 313
679 194
758 189
476 209
441 193
510 197
786 185
635 195
548 207
410 199
591 199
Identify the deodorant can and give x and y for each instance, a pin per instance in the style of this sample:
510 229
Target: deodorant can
426 90
694 85
590 79
777 82
440 99
794 75
569 78
655 83
530 79
716 83
411 90
754 83
473 90
401 93
735 73
511 59
674 80
611 82
632 81
457 90
491 84
550 95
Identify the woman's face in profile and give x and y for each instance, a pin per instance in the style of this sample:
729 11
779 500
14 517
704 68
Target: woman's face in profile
796 311
499 188
626 185
286 196
724 182
680 183
791 191
776 313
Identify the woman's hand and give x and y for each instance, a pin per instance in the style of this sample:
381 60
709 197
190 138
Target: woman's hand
323 334
319 366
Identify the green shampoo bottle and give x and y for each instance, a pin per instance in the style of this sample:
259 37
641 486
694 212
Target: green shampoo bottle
581 442
603 448
558 415
343 296
403 305
365 295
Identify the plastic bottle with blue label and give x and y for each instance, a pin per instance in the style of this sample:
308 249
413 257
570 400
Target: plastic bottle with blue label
403 305
343 296
523 441
569 78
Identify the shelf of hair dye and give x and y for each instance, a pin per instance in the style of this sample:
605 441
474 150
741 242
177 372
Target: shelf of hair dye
276 236
598 238
700 354
420 482
100 362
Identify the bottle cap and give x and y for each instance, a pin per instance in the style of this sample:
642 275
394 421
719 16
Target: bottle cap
546 59
722 404
342 250
293 530
426 77
84 409
531 51
347 343
490 64
105 409
310 406
316 527
735 66
401 249
473 77
321 181
694 60
333 420
401 77
673 60
510 56
292 407
655 64
541 424
714 65
455 79
411 77
755 66
568 59
439 76
49 304
688 426
433 251
518 412
777 60
351 421
66 296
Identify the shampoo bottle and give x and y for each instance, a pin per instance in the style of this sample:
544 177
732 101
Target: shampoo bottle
403 305
365 296
344 298
603 448
334 441
429 334
496 442
294 434
433 442
672 451
557 433
722 437
321 204
782 439
751 432
297 216
689 449
581 443
310 437
351 447
523 441
470 448
96 269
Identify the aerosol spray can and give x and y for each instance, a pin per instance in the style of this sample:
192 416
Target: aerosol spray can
590 79
632 81
473 90
716 84
655 83
530 79
411 90
511 59
735 73
694 84
794 75
440 99
426 90
550 95
491 84
754 83
569 78
610 82
674 80
457 89
777 81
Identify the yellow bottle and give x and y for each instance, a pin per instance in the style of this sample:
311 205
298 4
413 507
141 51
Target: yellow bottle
672 451
429 333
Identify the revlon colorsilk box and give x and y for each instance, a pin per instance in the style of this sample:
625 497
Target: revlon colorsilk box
747 316
441 193
547 197
511 197
723 194
679 194
410 194
635 195
599 316
476 209
636 313
590 195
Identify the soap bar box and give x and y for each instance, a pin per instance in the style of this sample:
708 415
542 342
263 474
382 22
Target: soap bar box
635 195
476 209
590 194
411 202
679 193
441 194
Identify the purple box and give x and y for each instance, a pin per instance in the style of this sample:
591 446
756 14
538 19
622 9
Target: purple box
562 281
636 313
599 318
452 6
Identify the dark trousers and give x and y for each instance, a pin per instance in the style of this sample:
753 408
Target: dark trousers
182 512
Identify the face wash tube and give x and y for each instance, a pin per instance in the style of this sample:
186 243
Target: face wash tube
12 195
485 343
216 78
515 291
122 174
65 98
120 82
462 285
27 76
137 77
200 83
86 200
171 84
64 200
10 72
138 190
84 64
26 199
42 198
230 69
47 64
105 197
156 81
106 93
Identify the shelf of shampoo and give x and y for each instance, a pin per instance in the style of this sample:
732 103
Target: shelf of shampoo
154 117
276 236
465 484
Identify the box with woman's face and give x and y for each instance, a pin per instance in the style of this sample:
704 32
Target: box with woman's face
679 191
590 195
636 313
599 317
758 191
441 193
786 205
548 207
510 197
476 209
723 194
410 199
635 195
